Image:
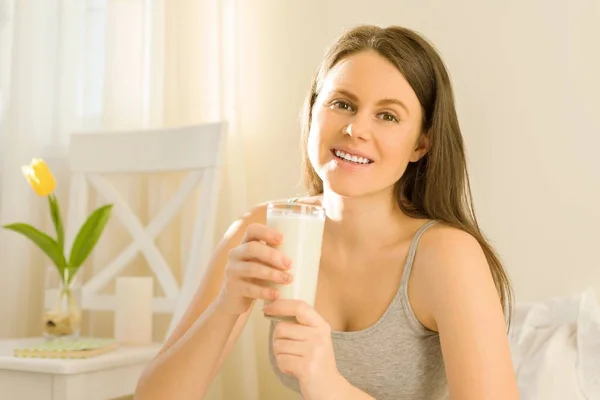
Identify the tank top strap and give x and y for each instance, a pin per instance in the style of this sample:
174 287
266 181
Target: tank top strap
403 290
412 251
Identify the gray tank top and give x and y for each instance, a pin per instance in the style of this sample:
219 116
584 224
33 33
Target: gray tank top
395 358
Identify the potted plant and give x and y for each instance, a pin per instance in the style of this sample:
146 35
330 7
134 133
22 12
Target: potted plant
64 318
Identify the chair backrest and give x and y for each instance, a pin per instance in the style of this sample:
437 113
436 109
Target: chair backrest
197 149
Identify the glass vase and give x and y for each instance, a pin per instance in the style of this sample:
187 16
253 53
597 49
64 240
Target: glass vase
62 313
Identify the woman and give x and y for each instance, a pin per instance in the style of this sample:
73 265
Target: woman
410 295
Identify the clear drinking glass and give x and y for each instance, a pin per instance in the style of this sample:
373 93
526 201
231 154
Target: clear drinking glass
302 228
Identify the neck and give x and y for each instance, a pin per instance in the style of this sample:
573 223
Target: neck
371 221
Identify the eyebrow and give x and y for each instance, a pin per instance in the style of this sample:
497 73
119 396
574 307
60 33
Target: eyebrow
393 101
382 102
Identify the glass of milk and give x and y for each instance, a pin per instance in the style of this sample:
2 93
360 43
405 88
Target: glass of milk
301 226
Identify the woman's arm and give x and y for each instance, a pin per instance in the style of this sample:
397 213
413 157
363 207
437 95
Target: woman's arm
348 392
190 359
454 286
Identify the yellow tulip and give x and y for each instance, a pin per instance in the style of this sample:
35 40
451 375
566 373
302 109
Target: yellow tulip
40 177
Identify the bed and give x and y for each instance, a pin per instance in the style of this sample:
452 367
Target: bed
555 346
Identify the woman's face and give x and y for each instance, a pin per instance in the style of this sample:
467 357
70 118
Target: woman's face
365 126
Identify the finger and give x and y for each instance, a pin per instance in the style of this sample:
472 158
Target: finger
288 364
256 291
261 272
260 232
257 251
289 347
305 314
292 331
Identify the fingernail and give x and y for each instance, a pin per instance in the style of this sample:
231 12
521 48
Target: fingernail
287 262
278 238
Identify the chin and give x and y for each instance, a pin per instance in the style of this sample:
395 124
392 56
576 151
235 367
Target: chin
349 187
354 187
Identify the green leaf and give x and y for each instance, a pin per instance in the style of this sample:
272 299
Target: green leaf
88 236
57 221
43 241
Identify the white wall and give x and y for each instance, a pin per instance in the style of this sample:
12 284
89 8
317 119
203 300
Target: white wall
527 81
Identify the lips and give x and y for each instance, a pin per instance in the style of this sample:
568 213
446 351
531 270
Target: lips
351 156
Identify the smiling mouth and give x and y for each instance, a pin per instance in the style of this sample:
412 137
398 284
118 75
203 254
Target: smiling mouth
352 158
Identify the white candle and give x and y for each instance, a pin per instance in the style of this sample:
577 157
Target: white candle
133 311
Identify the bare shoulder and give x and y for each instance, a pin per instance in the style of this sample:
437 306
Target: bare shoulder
443 244
255 215
311 200
258 215
450 270
455 295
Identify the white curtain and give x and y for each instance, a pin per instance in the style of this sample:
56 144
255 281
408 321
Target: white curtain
76 65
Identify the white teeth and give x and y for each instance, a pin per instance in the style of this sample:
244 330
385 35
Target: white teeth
352 158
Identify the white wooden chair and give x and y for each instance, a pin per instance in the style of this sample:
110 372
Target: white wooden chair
197 149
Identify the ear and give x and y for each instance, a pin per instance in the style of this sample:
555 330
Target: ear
422 147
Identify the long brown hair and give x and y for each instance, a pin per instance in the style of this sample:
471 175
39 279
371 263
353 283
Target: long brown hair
437 186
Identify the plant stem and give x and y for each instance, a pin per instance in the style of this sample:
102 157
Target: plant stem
67 275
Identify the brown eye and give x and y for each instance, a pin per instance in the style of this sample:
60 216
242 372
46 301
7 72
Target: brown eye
388 117
342 105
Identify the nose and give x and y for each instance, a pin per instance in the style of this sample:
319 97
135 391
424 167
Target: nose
359 126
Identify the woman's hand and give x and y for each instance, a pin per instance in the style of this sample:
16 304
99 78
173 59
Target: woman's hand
251 267
305 349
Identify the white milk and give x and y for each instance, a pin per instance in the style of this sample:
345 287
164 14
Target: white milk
302 239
